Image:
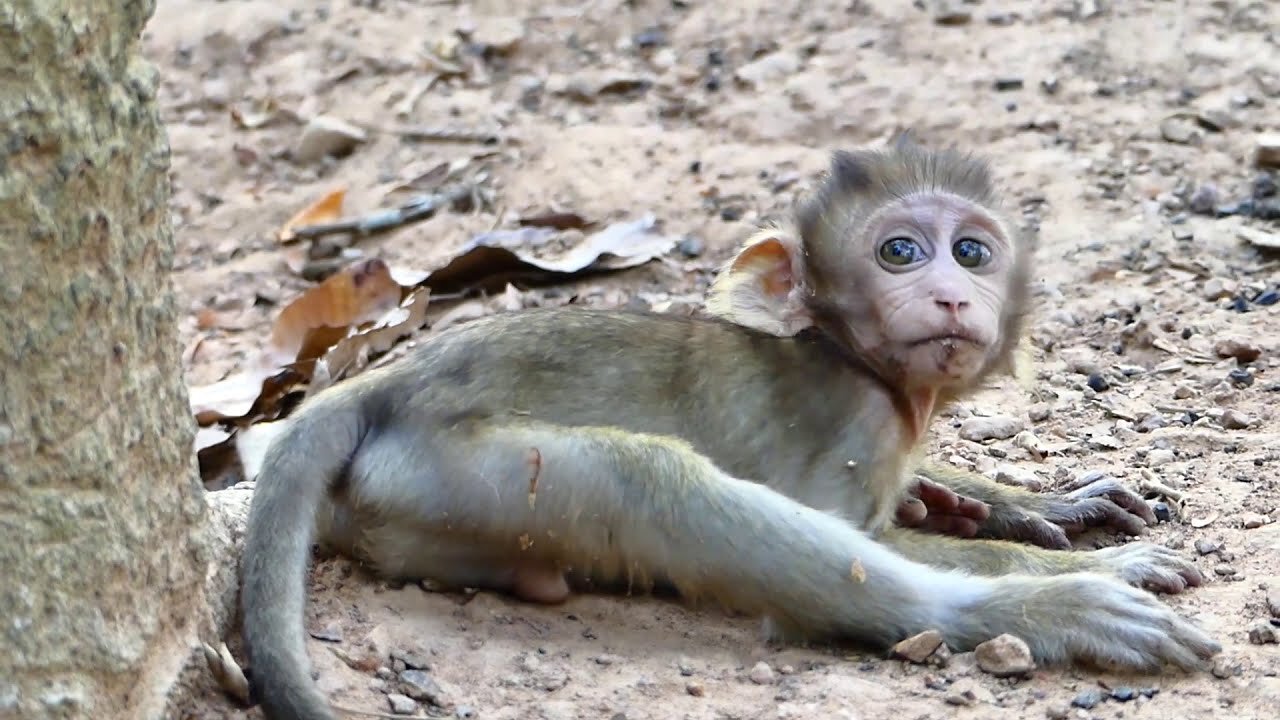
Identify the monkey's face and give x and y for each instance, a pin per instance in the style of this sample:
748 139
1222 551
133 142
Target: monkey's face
931 276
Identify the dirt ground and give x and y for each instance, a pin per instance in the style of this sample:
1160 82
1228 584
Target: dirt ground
1112 123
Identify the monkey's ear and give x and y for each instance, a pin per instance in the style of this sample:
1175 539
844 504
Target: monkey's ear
761 287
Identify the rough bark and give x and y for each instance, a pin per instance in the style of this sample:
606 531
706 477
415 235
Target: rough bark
105 548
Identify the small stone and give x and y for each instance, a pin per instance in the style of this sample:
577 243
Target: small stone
1057 712
1206 547
1265 186
1273 607
950 12
1019 477
968 692
1216 289
412 660
1240 377
1005 84
767 69
1237 347
1098 383
607 659
1233 419
401 704
1124 694
695 688
1040 412
1159 457
1181 129
324 136
690 246
1253 521
685 666
466 712
421 686
1161 511
1269 297
1224 570
1204 199
919 647
650 37
761 674
1267 150
995 427
1184 392
1087 699
1261 633
1224 667
328 633
1004 656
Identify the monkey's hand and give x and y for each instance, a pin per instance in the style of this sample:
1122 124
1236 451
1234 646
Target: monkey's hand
1045 519
933 507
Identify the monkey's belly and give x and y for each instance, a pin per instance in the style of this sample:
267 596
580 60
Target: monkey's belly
411 553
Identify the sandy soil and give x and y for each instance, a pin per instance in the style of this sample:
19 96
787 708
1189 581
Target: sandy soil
712 116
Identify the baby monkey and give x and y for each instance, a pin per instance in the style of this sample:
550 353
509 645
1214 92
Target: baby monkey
758 468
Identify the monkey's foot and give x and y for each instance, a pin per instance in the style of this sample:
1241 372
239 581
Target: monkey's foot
1154 567
1094 619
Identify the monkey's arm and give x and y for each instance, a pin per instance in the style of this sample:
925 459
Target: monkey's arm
1044 519
1142 564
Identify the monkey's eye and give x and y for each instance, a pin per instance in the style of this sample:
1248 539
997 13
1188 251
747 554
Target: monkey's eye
970 253
901 251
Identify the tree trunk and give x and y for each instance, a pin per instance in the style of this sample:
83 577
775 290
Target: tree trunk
104 548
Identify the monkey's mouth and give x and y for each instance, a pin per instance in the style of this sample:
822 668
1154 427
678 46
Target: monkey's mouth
950 339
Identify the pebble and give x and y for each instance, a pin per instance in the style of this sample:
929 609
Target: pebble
1253 521
995 427
950 12
1224 570
466 712
1184 392
1206 547
1261 633
919 647
1181 129
1161 511
1098 383
1237 347
1057 712
1215 289
695 688
761 674
967 692
1124 694
401 704
1204 199
1008 83
324 136
1224 667
690 246
420 686
1159 457
1265 186
1240 377
1040 412
1004 656
1267 150
771 67
1020 477
1235 420
1273 607
1087 699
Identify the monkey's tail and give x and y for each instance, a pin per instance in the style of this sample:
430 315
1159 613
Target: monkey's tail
301 465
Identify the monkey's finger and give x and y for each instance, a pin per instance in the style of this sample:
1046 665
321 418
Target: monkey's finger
1111 489
1075 517
1037 531
938 498
953 525
912 512
974 509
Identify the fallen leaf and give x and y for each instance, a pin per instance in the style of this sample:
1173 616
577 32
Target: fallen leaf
353 352
326 209
316 320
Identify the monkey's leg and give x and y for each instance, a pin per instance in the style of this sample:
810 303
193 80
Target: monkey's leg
1146 565
630 505
1045 519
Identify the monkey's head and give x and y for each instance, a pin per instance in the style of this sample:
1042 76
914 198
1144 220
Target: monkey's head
903 260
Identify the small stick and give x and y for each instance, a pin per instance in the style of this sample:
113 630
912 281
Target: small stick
419 207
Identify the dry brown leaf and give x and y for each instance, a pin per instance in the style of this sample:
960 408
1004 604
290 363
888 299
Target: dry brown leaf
326 209
316 320
352 353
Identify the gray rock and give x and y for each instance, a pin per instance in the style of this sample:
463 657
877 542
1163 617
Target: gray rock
1004 656
401 704
995 427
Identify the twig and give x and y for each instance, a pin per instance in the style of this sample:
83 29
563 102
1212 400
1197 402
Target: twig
419 207
422 133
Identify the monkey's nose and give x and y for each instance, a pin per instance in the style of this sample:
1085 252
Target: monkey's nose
952 307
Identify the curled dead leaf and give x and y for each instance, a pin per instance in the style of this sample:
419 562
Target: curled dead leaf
327 209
